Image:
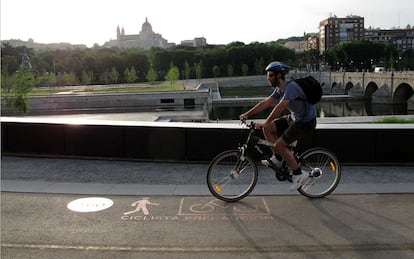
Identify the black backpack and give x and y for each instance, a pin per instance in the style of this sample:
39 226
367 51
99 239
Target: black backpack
311 87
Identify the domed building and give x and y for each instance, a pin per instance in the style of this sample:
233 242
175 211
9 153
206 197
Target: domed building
146 39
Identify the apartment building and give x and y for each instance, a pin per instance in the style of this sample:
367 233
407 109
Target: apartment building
403 39
334 30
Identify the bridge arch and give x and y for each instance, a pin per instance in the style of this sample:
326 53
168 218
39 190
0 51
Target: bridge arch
370 89
334 85
348 87
402 93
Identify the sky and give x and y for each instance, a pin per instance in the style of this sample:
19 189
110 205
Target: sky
219 21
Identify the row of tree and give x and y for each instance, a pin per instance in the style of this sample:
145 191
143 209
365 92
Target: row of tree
104 66
99 65
364 55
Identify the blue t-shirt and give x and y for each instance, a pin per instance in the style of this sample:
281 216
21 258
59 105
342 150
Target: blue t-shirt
300 110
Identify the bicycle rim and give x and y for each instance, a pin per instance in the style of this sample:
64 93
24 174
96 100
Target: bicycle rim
229 178
324 170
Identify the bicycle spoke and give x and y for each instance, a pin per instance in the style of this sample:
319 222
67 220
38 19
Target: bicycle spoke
324 173
309 183
223 182
229 178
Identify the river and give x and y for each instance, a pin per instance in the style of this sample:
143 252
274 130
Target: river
331 108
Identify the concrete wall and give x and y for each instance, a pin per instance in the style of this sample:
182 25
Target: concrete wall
69 103
193 142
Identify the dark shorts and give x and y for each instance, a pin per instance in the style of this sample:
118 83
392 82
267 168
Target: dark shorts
290 132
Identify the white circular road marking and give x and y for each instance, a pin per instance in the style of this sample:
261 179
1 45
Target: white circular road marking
91 204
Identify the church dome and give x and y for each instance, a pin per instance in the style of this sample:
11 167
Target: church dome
146 26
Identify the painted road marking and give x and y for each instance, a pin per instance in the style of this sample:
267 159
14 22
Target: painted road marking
199 209
141 205
256 206
90 204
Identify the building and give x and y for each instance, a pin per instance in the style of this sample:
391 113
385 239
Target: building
403 39
146 39
298 46
313 41
308 42
31 44
334 30
196 42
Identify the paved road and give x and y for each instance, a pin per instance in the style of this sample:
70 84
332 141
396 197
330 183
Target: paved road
141 213
50 175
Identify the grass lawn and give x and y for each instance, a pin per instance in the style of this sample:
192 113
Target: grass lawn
245 91
103 89
394 119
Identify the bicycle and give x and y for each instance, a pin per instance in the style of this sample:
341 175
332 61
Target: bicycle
232 175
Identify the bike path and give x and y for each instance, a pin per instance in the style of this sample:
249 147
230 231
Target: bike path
103 177
338 226
182 220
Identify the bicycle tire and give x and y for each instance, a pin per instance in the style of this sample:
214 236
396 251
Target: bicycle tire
324 170
229 178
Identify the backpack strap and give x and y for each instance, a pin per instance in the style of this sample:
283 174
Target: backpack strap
298 98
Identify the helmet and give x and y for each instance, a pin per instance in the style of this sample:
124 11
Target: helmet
277 66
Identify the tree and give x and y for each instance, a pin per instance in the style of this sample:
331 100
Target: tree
152 75
216 71
11 57
6 80
130 75
52 79
356 54
46 80
244 69
230 70
69 78
187 70
199 69
22 84
87 77
173 74
114 76
259 66
104 77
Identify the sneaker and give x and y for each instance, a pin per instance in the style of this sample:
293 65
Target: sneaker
298 181
273 161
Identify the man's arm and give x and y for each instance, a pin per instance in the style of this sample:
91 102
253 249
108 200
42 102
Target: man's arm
262 105
277 111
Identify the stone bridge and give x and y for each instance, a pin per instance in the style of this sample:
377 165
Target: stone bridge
389 87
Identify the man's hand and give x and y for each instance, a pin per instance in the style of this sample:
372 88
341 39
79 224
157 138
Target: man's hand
243 116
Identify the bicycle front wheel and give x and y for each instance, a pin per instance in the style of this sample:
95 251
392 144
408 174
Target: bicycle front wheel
230 178
324 171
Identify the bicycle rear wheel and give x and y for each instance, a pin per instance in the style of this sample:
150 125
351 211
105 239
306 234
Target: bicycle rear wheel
230 178
324 171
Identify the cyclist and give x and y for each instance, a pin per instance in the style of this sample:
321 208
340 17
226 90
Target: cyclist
283 130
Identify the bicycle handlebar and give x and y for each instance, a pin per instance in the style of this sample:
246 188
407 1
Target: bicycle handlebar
250 125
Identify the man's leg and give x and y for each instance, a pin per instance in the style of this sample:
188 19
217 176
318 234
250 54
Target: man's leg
270 134
281 147
298 177
274 130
